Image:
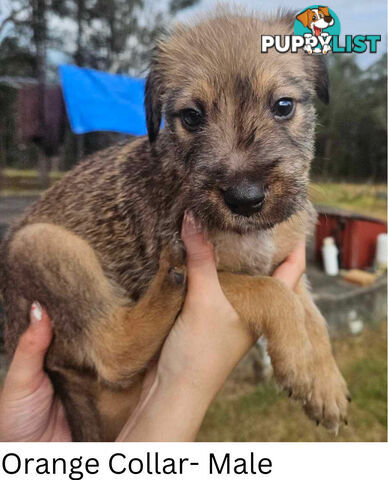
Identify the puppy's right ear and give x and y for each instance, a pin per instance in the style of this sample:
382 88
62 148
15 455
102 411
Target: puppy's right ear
153 102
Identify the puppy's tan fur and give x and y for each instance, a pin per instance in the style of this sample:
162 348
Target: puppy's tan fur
101 250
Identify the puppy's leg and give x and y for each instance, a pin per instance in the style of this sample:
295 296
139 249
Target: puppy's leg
123 343
330 397
96 329
272 309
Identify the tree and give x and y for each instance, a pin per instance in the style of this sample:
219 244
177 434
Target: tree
113 35
13 16
351 136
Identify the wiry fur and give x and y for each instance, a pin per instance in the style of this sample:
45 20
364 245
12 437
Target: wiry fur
90 250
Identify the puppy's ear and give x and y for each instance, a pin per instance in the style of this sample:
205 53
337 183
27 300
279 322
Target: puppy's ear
316 69
321 77
153 101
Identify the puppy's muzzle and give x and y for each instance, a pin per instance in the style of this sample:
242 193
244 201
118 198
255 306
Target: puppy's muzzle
244 198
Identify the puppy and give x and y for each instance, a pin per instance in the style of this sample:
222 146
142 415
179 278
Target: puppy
100 250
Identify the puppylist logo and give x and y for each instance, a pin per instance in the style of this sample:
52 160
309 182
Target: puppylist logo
317 26
317 30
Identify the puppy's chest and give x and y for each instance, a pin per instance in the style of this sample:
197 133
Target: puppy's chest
249 253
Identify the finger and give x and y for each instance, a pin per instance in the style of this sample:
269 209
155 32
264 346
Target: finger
291 270
298 256
201 266
26 368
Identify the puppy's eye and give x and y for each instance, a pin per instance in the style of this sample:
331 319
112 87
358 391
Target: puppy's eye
191 119
284 108
314 17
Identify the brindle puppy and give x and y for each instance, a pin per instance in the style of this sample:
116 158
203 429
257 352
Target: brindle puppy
236 150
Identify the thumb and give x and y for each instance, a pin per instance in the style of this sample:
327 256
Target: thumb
26 368
201 267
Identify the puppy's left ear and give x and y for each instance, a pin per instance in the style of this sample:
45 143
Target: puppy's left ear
316 68
153 101
322 83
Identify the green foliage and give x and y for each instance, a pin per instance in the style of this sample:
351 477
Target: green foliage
370 387
15 59
351 137
113 35
176 5
366 198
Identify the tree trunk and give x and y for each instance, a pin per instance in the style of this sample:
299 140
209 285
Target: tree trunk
39 35
79 55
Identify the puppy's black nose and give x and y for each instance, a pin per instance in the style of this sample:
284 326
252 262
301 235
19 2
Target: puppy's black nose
244 198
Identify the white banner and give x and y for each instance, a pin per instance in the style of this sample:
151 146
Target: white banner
276 461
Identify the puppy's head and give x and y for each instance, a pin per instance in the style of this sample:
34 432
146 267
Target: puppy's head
241 122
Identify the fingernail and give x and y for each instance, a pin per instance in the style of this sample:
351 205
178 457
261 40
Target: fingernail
36 313
191 224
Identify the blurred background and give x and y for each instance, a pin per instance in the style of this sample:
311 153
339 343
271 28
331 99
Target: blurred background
349 182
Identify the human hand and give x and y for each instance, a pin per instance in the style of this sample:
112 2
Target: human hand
208 338
293 267
29 409
207 341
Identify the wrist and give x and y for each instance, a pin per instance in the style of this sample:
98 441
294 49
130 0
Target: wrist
197 383
172 411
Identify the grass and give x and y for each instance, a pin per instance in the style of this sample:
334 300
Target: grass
24 183
262 413
361 198
15 173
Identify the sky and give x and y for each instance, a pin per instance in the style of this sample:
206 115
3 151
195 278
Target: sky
356 17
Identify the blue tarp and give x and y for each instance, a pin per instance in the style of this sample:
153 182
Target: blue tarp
99 101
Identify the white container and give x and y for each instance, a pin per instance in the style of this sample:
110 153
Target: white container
381 251
330 256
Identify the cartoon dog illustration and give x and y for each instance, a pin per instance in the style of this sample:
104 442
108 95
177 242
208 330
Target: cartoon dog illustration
316 19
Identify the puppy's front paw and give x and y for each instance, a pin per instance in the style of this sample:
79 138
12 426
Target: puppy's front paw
294 371
330 398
